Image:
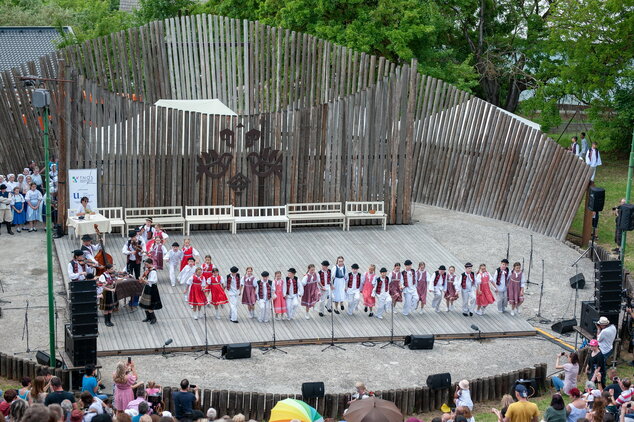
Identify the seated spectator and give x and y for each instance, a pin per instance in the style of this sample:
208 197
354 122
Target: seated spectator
576 409
598 410
17 410
57 412
626 394
58 395
613 382
153 389
37 413
145 418
124 417
522 410
360 393
571 371
5 406
184 400
237 418
39 390
556 412
143 409
506 401
211 414
92 406
140 398
90 382
23 392
462 396
465 412
627 413
67 407
76 416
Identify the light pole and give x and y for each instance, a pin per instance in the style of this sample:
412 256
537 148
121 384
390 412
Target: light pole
628 192
42 99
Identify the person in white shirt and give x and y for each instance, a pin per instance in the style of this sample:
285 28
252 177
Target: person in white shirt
381 292
294 291
584 145
593 159
410 294
574 146
83 208
76 267
462 396
89 251
173 258
437 287
146 231
150 299
467 290
501 281
606 334
184 277
234 290
11 183
264 293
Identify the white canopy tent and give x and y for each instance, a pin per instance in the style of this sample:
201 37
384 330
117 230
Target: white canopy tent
212 106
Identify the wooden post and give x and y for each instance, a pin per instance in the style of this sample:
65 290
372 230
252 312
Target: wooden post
587 220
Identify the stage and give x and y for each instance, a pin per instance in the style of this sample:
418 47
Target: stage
274 249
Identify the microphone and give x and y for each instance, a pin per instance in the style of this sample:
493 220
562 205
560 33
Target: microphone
475 327
169 341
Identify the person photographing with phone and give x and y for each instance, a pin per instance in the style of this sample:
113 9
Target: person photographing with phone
184 400
571 372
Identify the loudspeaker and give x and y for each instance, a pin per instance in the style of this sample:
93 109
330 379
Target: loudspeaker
439 381
90 329
590 314
604 295
578 281
608 266
420 342
530 384
565 326
82 350
44 359
83 308
596 199
614 276
236 351
83 286
626 217
312 390
83 296
83 319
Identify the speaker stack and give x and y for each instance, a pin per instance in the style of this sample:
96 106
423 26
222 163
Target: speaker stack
80 340
607 296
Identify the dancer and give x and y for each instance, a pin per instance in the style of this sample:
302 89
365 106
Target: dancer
248 293
325 288
410 294
77 266
381 292
516 286
159 232
157 252
451 292
146 231
187 273
368 300
293 291
353 289
151 299
234 289
422 278
108 287
173 258
310 287
396 280
280 306
339 273
207 267
438 287
194 291
263 292
217 292
467 286
188 252
484 296
501 280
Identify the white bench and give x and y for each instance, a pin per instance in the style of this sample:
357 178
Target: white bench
359 210
209 214
115 215
315 214
167 217
259 215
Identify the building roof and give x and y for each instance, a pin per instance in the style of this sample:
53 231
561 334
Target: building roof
21 44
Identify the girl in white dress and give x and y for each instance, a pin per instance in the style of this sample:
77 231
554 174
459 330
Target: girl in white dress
33 211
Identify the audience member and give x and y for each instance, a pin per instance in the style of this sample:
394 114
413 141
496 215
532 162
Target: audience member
90 382
140 398
184 400
9 396
23 392
462 396
38 413
212 414
58 395
39 390
143 408
576 409
556 412
571 371
17 410
57 412
626 394
522 410
124 378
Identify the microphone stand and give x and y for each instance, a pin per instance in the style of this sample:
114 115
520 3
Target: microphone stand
273 346
206 351
332 329
25 328
539 316
391 342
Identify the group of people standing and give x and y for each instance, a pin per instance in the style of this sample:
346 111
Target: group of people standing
590 155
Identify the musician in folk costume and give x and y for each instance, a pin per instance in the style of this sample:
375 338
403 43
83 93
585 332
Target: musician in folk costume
293 292
310 289
381 293
107 285
90 251
233 285
410 293
264 293
325 288
501 281
354 284
146 231
437 287
77 266
133 250
150 299
467 289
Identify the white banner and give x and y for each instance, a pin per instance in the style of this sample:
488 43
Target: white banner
82 182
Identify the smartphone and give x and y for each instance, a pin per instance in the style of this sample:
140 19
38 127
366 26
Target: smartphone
129 360
192 386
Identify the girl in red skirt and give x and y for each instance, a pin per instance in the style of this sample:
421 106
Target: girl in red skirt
194 292
451 294
217 292
279 295
484 296
207 272
188 252
368 286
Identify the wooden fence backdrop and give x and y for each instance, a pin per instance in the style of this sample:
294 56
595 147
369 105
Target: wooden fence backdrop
258 405
316 122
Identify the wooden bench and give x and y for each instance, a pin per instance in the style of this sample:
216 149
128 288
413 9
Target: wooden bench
167 217
209 214
315 214
360 210
259 215
115 215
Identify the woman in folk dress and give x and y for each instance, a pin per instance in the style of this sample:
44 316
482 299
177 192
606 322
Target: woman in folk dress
217 291
33 211
311 294
195 296
188 252
19 209
516 286
207 267
484 296
157 252
368 300
451 293
279 295
248 294
422 277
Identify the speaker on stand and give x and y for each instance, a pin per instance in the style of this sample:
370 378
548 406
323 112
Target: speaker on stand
80 336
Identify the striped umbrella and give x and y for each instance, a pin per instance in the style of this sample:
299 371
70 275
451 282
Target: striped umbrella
288 409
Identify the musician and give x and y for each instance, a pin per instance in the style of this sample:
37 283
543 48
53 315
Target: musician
107 285
77 266
146 231
90 251
150 299
133 249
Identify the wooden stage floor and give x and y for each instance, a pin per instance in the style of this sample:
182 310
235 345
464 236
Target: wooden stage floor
274 249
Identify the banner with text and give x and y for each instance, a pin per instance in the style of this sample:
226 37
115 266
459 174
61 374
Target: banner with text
82 182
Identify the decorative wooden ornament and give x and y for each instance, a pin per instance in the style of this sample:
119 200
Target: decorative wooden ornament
213 165
267 162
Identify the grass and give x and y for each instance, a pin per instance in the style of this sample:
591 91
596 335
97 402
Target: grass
6 384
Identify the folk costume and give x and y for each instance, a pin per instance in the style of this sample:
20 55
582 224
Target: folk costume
484 296
280 306
293 292
107 303
6 213
146 231
157 251
19 210
217 296
310 287
76 271
150 299
188 252
437 287
516 286
133 249
451 291
422 279
186 274
174 258
196 297
264 293
338 293
233 286
89 250
354 284
501 281
395 286
248 293
325 288
380 291
368 300
410 293
467 290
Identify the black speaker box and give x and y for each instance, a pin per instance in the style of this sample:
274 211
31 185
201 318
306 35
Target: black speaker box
605 295
563 327
83 308
81 319
596 199
608 307
439 381
530 384
83 286
83 297
89 329
615 276
82 350
420 342
608 266
312 390
578 281
590 314
44 359
626 217
236 351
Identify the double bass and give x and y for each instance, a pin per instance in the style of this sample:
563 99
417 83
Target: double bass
102 257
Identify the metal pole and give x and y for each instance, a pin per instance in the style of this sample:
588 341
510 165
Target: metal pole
628 191
49 245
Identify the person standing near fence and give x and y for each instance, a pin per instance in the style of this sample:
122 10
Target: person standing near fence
593 159
584 145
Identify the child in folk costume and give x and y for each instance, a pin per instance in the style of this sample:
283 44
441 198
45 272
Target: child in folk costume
188 252
187 272
484 296
207 267
108 285
516 286
381 293
422 278
151 299
159 232
451 292
467 289
233 285
294 290
501 281
310 287
354 284
216 290
248 294
147 230
194 291
19 209
263 291
325 288
410 294
437 287
157 251
279 296
395 284
368 279
133 249
338 293
173 258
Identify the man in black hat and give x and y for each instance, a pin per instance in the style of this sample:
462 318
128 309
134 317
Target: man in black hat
325 288
133 250
353 289
501 281
89 250
76 267
294 291
410 293
6 215
381 292
264 295
467 290
438 287
234 291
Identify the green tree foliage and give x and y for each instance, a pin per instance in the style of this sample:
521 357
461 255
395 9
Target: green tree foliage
151 10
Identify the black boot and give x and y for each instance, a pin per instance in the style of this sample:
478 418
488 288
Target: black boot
148 318
153 318
8 227
109 320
